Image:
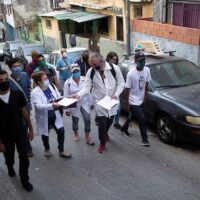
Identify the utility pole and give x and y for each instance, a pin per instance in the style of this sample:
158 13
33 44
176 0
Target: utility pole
128 28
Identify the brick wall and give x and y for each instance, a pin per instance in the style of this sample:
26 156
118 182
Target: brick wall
177 33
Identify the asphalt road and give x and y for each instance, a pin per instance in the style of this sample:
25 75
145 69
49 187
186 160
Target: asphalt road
125 171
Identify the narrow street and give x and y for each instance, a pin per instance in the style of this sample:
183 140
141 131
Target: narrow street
125 171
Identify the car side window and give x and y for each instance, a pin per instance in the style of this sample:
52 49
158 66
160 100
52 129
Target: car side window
56 58
50 59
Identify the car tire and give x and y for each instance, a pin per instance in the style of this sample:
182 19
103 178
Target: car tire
166 129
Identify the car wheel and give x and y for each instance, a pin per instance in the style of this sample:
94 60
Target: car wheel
165 129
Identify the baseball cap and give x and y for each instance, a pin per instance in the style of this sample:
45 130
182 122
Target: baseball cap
139 56
74 67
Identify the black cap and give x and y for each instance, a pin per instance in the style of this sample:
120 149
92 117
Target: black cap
139 56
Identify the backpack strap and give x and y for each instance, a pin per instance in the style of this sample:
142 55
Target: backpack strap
92 74
112 70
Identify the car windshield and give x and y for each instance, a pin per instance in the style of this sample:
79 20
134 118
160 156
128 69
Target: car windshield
174 74
75 55
15 46
39 49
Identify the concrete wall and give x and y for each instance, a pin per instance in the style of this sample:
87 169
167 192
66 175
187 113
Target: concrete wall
80 41
51 35
187 51
107 45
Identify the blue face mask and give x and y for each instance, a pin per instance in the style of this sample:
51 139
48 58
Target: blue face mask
76 75
17 70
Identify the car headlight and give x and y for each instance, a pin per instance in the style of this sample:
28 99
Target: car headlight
193 120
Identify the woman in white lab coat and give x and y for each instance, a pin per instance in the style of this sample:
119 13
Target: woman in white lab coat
72 86
47 115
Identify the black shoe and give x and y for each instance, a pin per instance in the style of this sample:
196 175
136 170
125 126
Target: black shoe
27 186
117 125
11 171
145 144
126 133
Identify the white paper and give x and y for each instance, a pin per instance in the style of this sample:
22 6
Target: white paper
108 103
67 102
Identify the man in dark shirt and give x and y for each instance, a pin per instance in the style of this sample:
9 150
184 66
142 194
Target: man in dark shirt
13 116
50 71
83 62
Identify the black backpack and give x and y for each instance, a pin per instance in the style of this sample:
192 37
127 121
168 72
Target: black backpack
112 70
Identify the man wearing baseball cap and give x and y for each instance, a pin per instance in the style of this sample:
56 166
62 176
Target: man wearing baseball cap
136 84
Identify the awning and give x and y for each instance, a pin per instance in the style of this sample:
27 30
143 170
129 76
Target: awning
88 17
2 26
74 16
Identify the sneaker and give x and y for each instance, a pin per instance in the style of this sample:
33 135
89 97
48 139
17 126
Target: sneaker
101 148
27 186
76 137
145 144
48 153
117 125
126 133
11 171
89 141
65 155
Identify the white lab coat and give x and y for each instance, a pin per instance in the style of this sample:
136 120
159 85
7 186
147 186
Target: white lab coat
112 87
70 88
42 106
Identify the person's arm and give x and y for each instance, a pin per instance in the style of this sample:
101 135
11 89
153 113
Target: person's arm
87 86
26 116
120 81
36 100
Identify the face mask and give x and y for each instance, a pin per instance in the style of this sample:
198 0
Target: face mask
98 67
17 70
46 83
76 75
4 86
42 63
64 55
140 65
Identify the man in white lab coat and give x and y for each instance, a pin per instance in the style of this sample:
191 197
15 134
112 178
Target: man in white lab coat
104 80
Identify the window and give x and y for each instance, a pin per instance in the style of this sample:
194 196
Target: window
48 23
137 11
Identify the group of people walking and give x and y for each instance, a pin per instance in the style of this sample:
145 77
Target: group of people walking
88 80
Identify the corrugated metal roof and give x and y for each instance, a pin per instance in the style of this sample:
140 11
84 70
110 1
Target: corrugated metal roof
70 15
89 17
54 13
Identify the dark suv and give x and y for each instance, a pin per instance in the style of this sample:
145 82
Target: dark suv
173 99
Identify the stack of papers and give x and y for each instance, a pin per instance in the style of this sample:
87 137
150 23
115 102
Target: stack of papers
67 102
108 103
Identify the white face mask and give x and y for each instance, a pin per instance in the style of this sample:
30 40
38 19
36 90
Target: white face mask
64 55
46 83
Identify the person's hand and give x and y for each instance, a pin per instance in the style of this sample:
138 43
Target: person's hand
91 107
75 96
67 113
55 105
114 97
31 135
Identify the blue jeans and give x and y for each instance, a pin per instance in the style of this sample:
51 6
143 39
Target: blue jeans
86 119
62 82
138 114
117 116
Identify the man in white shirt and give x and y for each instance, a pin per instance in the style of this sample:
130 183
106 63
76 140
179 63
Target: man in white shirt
104 80
136 84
